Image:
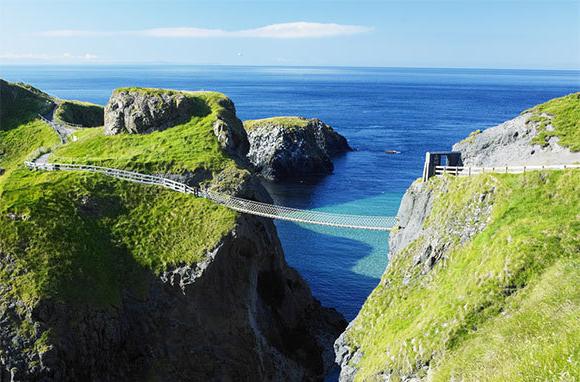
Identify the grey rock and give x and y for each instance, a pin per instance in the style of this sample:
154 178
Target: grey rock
346 357
414 208
510 143
281 152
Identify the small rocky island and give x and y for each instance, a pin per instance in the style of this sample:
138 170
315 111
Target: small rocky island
283 148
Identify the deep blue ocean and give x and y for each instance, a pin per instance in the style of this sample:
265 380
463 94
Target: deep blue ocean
377 109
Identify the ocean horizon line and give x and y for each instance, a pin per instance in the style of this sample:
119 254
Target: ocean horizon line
177 64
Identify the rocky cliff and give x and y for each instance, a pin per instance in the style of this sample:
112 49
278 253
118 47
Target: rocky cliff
482 271
543 135
142 111
106 280
293 147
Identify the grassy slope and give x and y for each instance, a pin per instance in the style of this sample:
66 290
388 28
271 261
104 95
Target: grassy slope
284 122
83 237
483 299
20 103
566 121
79 113
185 147
24 142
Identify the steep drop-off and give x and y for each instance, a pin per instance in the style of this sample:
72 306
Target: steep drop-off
105 280
483 273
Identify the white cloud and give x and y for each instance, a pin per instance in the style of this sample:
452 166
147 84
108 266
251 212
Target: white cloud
303 30
299 29
64 57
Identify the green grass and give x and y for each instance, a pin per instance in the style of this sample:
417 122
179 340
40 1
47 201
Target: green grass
79 113
185 147
536 338
284 122
20 103
486 286
565 118
210 96
23 143
85 238
82 238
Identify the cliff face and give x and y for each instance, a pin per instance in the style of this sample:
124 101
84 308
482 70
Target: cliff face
481 277
240 314
293 147
106 280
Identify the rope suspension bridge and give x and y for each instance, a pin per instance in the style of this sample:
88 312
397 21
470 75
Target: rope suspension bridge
371 223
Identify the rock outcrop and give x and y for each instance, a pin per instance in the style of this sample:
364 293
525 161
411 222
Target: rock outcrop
512 143
293 147
142 111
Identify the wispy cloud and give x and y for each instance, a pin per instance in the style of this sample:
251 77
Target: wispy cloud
299 29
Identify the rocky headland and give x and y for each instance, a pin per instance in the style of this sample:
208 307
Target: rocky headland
528 139
283 148
482 274
106 280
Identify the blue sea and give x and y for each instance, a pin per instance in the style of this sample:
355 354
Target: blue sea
377 109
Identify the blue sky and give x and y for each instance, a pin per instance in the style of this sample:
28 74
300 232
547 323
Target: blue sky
481 34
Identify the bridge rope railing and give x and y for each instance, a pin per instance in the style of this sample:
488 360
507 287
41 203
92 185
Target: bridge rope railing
469 170
373 223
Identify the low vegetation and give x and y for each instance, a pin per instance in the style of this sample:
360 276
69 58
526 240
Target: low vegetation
563 114
88 236
20 104
79 113
23 143
501 306
185 147
283 122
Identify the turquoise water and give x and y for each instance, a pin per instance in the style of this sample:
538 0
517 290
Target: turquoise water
377 109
